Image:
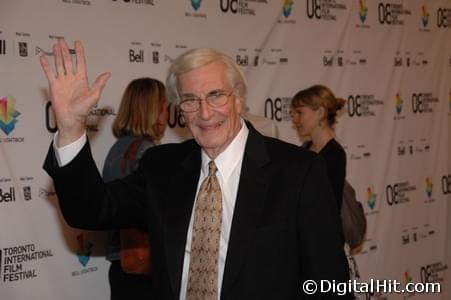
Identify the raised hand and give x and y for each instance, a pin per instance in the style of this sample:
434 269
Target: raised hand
71 96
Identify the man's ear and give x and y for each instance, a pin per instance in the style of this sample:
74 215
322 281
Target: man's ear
240 103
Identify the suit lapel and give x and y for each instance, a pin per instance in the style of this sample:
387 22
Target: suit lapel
249 203
178 213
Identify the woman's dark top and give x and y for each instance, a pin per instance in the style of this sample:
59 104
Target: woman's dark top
335 157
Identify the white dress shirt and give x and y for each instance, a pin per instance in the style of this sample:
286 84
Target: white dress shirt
229 169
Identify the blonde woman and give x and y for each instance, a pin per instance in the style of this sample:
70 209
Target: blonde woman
314 114
139 124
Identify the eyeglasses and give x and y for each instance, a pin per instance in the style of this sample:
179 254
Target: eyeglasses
216 98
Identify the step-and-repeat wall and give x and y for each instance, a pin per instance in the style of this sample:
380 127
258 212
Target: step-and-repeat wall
390 59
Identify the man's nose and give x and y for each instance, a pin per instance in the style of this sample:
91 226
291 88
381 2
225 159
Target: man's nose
205 110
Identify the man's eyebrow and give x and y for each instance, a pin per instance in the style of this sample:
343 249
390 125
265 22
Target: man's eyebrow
215 91
188 95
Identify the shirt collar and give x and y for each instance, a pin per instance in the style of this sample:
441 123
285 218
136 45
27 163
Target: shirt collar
231 156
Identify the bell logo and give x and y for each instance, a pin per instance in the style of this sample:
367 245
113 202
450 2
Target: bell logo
7 195
136 57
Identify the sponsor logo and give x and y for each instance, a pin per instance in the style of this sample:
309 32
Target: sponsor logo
371 201
136 56
46 194
398 103
398 193
358 152
143 2
23 49
2 47
363 10
324 10
7 195
392 13
423 103
242 60
155 57
446 184
27 193
444 17
371 197
84 251
15 262
411 147
8 114
362 105
241 7
256 60
429 185
79 2
287 8
416 234
424 15
196 4
433 272
278 109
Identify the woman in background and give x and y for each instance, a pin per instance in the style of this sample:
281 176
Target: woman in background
314 114
140 123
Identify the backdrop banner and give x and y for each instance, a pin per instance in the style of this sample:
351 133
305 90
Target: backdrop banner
389 59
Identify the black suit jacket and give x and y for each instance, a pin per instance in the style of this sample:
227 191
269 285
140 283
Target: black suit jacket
285 227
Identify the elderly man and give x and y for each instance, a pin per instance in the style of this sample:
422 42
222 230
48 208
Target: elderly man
231 214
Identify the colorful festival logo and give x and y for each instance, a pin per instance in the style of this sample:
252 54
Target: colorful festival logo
424 15
287 7
429 186
8 114
398 103
408 277
363 10
84 250
196 4
371 197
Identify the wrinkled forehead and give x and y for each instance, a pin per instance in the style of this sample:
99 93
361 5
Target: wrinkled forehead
204 79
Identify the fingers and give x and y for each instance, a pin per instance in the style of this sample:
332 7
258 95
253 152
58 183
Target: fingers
47 68
81 61
58 60
67 59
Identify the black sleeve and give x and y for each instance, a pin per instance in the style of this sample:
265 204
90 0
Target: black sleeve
335 158
321 241
87 202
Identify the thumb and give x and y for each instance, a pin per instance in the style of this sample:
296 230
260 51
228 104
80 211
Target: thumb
97 87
